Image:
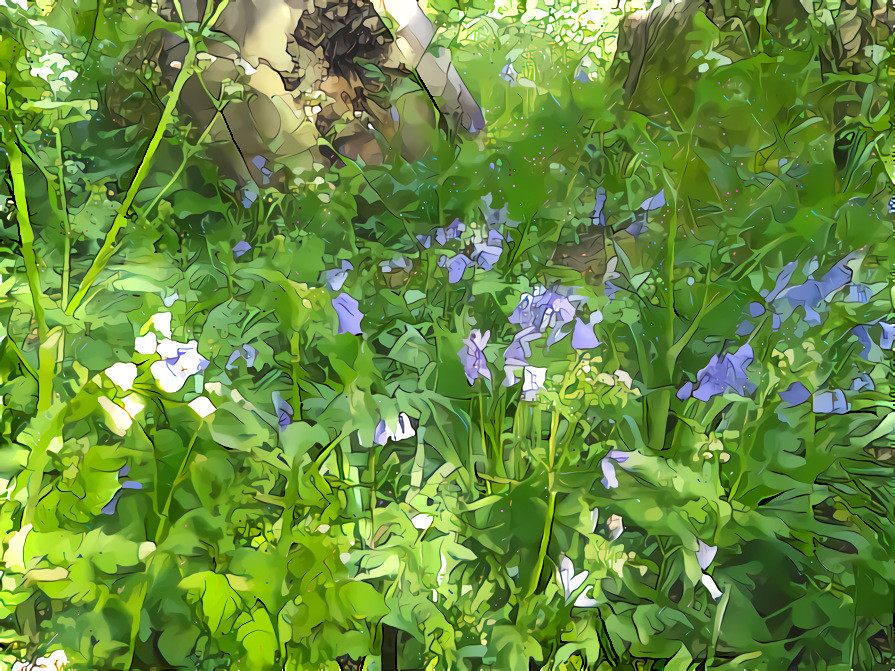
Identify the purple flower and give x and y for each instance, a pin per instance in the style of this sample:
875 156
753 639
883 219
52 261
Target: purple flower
425 240
474 362
859 293
283 409
404 429
451 232
523 315
241 248
456 266
583 337
349 314
795 394
637 228
598 218
863 381
654 203
249 353
259 162
830 402
111 506
609 478
888 338
336 277
685 392
517 353
486 254
729 374
861 333
248 197
495 218
509 74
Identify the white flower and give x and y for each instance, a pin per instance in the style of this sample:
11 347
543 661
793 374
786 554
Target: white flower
705 554
711 587
532 381
55 662
146 344
422 521
162 323
403 430
571 583
624 378
202 406
179 361
122 374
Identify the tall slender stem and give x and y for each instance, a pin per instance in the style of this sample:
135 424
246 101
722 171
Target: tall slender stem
32 272
106 251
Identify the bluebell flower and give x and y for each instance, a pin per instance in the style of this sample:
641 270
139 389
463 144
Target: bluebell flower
654 203
609 478
721 376
241 248
384 433
795 394
111 506
830 402
350 316
517 352
509 74
888 337
487 253
863 336
450 232
583 336
283 410
336 277
861 382
571 583
248 353
179 362
456 266
260 162
474 362
496 218
598 218
637 228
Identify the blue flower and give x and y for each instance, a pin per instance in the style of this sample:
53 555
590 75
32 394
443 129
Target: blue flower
830 402
451 232
283 409
654 203
474 362
795 394
583 336
456 266
598 218
111 506
718 377
350 316
336 277
241 248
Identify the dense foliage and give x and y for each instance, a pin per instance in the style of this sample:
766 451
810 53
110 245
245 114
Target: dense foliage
377 421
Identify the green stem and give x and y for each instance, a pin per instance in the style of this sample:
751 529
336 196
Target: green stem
26 235
105 253
551 508
545 541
